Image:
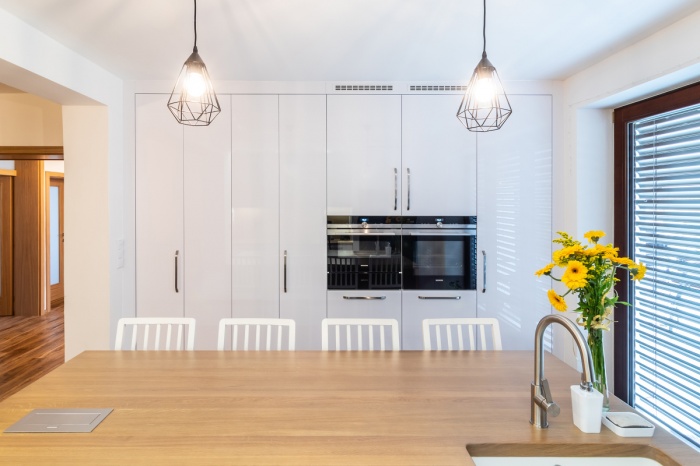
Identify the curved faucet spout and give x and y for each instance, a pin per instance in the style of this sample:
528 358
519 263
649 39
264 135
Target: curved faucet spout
541 398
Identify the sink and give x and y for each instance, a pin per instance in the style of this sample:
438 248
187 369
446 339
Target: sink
562 461
567 454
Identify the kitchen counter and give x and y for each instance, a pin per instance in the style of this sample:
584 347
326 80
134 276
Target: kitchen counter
303 408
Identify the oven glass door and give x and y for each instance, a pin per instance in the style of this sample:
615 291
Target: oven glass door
364 259
439 261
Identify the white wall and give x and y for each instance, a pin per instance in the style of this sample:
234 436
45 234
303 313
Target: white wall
86 132
93 139
661 62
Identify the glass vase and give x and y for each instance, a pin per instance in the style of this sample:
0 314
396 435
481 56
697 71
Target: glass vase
595 343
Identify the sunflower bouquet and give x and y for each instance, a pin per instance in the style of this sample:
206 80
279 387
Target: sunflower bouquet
589 272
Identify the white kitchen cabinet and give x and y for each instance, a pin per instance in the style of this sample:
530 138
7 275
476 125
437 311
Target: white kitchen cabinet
431 304
159 211
364 154
302 215
255 206
514 219
438 158
183 220
207 225
364 304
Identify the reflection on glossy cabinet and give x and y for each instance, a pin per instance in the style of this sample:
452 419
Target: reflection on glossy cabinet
515 210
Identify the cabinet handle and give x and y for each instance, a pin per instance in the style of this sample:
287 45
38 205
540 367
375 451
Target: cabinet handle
176 254
285 271
439 297
364 297
396 189
483 289
408 180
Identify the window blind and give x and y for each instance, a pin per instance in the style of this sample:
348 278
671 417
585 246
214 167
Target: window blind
665 170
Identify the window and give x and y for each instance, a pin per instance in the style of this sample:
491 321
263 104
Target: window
657 206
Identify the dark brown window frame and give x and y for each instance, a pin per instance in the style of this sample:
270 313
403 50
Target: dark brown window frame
672 100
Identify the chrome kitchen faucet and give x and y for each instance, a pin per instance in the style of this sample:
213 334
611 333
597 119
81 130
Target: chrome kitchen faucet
541 399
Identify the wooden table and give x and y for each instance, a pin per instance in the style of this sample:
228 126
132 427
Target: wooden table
303 408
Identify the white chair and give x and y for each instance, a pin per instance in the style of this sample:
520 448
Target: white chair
363 330
238 325
157 333
451 328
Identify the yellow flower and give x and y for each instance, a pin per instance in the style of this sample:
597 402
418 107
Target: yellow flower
624 261
593 236
575 275
558 257
557 301
638 272
576 270
545 270
574 283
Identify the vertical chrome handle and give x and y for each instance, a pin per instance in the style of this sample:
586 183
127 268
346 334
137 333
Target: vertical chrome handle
408 180
483 288
396 189
176 256
285 271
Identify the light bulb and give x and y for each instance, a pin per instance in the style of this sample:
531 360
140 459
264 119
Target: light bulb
484 91
195 84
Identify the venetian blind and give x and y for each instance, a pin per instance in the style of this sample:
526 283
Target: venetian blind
665 157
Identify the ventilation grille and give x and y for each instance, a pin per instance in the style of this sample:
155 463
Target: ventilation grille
438 88
370 87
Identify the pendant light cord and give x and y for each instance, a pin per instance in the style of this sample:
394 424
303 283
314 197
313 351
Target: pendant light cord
484 29
195 26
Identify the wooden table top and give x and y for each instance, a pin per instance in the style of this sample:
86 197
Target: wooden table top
304 408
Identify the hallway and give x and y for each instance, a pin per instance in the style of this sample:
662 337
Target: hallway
30 347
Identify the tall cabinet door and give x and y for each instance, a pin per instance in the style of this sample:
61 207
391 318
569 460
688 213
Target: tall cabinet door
159 212
255 206
438 158
514 224
364 154
207 224
302 133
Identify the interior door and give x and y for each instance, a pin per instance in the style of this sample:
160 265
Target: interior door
56 240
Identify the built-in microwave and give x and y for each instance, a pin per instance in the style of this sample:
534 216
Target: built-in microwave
411 253
439 253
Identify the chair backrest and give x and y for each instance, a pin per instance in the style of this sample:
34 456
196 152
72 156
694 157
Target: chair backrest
362 330
274 330
452 329
156 333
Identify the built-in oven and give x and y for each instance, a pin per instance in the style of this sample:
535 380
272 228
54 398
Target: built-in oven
439 253
364 253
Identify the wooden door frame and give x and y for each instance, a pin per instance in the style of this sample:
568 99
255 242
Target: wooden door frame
50 289
6 231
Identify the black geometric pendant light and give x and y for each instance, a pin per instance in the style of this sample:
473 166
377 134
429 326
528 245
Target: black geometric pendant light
193 101
485 105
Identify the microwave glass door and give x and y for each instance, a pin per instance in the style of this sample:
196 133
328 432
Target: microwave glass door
439 261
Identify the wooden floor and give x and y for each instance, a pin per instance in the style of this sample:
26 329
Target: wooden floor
30 347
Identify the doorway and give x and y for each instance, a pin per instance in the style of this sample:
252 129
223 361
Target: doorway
55 237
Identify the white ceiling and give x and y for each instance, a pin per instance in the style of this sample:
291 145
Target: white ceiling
352 40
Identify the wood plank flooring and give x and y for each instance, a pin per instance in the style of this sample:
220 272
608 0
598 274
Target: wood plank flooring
30 347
